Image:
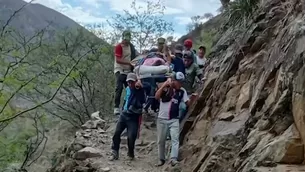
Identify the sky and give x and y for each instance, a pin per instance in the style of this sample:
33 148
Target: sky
98 11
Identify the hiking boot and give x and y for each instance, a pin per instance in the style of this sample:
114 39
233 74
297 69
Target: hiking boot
174 162
160 163
116 111
130 156
114 156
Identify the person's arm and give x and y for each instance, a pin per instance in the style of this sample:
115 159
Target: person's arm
167 54
199 73
185 98
161 90
118 52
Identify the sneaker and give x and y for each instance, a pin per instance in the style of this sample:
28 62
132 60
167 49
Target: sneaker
174 162
160 163
116 111
114 156
130 156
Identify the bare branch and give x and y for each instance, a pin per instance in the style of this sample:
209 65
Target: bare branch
12 16
50 99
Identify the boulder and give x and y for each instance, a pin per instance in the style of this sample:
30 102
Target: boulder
105 169
94 124
287 148
87 152
226 116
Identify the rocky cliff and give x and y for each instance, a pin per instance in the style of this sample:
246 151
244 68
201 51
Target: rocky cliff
250 115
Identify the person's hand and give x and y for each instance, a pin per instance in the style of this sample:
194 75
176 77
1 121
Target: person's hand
203 79
193 97
167 82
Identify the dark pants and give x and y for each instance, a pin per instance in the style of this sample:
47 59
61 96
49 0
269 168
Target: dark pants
120 84
132 126
150 93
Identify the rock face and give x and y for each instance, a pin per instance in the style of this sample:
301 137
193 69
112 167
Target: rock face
250 115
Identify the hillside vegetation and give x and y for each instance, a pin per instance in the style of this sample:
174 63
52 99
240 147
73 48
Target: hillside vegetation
48 73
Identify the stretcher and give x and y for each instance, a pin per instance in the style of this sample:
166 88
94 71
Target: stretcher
147 70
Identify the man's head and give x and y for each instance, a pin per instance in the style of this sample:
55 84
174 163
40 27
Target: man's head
188 44
178 50
202 51
178 78
131 80
126 36
187 58
160 43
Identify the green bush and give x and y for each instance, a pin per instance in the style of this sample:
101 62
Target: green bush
240 11
207 37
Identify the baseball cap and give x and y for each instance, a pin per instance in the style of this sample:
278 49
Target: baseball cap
187 55
131 77
188 43
202 47
161 40
179 76
126 35
178 48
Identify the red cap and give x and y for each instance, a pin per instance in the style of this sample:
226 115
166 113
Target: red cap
188 43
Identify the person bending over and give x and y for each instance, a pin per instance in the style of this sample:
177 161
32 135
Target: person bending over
130 117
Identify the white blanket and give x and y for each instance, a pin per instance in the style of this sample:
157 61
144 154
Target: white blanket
153 70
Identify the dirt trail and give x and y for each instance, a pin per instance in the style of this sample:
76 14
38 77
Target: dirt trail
146 149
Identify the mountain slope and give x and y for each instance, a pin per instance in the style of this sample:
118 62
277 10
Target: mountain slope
33 17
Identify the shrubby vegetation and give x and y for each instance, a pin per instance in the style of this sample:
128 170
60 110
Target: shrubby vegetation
68 76
42 80
240 11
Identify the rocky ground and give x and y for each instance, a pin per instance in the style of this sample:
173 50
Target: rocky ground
90 150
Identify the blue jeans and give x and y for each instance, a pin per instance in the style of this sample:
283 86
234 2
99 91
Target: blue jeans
163 127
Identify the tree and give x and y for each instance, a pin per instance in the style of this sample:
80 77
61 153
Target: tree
197 20
208 16
145 23
225 3
63 79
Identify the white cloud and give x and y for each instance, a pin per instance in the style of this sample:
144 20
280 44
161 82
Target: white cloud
78 13
194 7
182 20
121 5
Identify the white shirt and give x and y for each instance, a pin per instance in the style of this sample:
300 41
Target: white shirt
201 61
165 106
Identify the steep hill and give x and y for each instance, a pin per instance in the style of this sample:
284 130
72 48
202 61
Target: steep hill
205 34
33 17
48 78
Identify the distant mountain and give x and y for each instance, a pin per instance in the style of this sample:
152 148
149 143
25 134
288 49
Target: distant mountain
34 17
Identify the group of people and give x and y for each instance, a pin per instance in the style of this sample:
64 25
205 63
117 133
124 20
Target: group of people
172 95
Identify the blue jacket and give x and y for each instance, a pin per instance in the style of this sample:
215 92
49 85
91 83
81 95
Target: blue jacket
178 65
135 98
